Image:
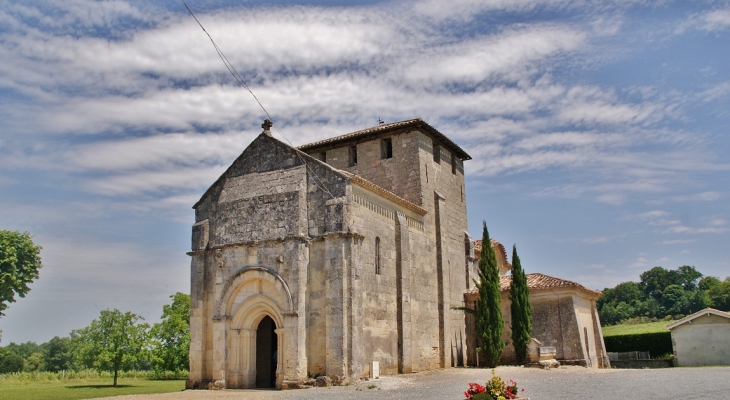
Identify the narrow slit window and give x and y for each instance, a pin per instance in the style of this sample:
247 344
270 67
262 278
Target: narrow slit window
377 256
386 148
436 153
353 156
453 164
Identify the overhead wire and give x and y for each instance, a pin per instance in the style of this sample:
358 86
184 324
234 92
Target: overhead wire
242 83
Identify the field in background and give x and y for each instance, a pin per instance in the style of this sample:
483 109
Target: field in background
649 327
85 389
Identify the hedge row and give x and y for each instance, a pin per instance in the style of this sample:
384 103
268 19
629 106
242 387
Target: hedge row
656 343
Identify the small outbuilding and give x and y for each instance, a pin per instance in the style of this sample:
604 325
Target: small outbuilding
702 338
564 317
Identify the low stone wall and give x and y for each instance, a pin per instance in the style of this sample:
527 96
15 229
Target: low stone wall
640 364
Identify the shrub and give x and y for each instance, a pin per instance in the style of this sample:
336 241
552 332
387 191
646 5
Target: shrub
655 343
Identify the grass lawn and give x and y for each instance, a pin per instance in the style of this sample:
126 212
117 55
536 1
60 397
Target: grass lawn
86 389
649 327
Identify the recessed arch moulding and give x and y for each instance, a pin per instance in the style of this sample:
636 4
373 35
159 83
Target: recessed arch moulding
245 299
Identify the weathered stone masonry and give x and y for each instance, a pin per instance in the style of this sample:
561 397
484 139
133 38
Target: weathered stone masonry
284 235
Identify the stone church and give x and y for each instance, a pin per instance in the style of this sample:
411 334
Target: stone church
330 259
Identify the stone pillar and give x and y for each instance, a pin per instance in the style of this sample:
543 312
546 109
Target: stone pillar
334 308
197 320
353 263
403 288
248 358
220 327
281 356
300 322
443 273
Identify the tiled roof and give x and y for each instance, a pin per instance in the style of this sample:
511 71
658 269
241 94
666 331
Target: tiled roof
499 248
538 282
417 123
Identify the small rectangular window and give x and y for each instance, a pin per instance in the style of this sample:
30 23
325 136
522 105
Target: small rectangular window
353 156
436 153
386 148
453 164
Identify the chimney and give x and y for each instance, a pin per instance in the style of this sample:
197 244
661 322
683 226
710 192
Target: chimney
267 127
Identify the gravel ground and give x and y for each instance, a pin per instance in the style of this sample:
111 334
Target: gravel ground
563 383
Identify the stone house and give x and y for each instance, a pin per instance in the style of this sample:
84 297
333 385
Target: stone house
324 258
702 338
564 316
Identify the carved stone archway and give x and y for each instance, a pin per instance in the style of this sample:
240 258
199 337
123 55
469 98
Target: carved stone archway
247 298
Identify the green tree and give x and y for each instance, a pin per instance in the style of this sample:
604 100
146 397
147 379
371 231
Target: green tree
489 323
708 283
114 342
655 280
57 355
688 277
10 363
24 349
34 363
719 295
674 300
20 261
520 307
171 336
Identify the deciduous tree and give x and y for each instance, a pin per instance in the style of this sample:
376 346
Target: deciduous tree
57 354
20 261
114 342
171 336
520 307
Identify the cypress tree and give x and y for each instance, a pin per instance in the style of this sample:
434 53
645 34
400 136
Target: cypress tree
521 308
489 323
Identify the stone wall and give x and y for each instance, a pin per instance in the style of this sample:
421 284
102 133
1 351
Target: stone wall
255 259
274 237
434 333
565 320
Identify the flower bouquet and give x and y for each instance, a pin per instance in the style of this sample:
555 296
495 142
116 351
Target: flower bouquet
495 389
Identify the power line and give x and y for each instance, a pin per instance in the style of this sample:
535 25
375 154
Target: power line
243 84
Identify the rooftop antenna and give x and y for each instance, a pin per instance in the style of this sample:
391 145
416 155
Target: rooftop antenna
380 121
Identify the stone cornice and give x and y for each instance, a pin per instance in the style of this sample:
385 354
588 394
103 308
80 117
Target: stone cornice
302 239
366 184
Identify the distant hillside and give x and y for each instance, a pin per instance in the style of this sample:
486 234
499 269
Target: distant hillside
626 329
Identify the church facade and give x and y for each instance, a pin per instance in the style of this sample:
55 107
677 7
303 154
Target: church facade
322 259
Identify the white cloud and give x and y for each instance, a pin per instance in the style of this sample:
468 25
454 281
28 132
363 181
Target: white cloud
155 181
652 214
641 262
712 21
677 241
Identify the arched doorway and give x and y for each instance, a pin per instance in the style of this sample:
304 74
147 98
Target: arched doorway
266 353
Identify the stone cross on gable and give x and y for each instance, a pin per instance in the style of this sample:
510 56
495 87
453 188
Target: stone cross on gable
267 127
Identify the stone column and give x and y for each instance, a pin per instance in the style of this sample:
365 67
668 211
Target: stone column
248 358
220 327
300 306
282 351
442 268
353 264
197 320
403 285
334 312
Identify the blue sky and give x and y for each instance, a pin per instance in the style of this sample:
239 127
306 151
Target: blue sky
599 130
